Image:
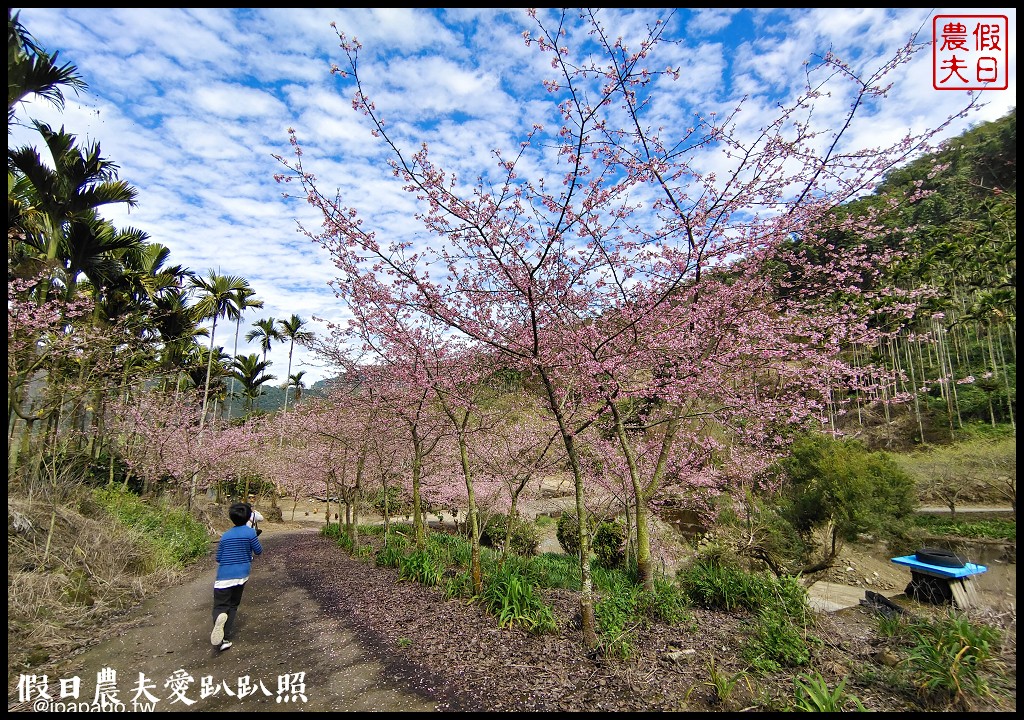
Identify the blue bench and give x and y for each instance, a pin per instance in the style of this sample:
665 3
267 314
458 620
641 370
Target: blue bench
938 584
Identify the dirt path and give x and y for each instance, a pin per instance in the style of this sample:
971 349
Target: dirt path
282 631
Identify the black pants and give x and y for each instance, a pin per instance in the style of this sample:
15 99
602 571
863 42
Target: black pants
226 600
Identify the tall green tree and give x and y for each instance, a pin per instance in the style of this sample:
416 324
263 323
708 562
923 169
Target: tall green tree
265 330
218 298
54 197
33 71
292 330
295 381
243 302
250 371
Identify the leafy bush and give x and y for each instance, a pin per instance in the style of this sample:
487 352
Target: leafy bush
624 606
666 602
248 483
523 537
344 540
457 584
391 554
616 612
610 544
840 482
779 637
778 640
714 584
568 533
450 549
364 552
176 535
891 626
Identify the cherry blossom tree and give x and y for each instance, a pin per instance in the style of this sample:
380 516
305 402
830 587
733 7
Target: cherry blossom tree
159 439
396 388
622 258
519 448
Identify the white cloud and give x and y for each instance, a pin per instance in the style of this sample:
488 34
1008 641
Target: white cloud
192 103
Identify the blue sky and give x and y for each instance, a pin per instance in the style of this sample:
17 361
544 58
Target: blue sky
193 103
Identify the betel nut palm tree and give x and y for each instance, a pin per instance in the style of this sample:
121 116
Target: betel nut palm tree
218 295
33 71
292 330
243 302
265 330
250 371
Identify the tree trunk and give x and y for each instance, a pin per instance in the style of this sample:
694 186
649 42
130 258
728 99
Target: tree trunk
588 620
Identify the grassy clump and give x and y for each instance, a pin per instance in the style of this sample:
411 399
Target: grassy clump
512 594
780 634
946 658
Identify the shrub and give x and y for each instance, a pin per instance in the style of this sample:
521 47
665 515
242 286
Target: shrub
567 533
715 584
364 552
666 602
840 482
511 594
723 683
523 537
457 584
779 634
994 529
610 544
390 555
345 541
420 567
778 641
450 549
616 612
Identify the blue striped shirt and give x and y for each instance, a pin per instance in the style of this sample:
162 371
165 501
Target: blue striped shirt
234 554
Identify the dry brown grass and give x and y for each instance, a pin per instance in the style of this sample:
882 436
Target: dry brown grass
62 583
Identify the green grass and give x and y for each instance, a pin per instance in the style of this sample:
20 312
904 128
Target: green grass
947 656
814 695
996 529
779 628
175 535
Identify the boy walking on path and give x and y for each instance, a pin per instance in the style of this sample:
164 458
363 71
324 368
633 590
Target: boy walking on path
234 561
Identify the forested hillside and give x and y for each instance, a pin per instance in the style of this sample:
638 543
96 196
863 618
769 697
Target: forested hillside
956 211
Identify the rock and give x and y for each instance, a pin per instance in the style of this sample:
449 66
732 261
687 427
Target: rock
886 657
679 656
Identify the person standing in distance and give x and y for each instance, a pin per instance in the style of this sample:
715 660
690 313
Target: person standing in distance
235 552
